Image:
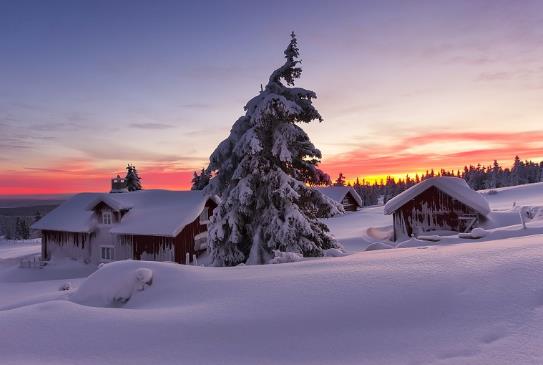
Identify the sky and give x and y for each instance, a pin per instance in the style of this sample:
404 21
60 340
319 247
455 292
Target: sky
404 86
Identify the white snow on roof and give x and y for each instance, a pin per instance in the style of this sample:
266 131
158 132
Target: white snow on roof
453 186
115 204
337 193
151 212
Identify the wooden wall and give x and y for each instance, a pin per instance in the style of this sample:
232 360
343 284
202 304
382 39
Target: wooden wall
429 211
349 203
66 244
169 248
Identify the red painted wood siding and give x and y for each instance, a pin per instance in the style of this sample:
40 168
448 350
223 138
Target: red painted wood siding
183 243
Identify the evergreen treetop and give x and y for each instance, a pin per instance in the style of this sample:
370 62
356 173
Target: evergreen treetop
133 180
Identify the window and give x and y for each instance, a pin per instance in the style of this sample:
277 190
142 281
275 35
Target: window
106 217
200 241
204 216
106 253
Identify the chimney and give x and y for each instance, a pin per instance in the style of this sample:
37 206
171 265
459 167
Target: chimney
118 185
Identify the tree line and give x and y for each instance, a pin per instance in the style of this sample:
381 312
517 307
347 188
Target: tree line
478 177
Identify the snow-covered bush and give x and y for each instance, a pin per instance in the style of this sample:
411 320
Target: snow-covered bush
284 257
112 285
260 172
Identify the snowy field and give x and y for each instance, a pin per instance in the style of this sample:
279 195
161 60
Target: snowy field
448 300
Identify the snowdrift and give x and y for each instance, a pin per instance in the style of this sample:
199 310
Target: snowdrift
480 303
114 284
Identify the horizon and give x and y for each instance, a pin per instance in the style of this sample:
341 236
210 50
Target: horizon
402 88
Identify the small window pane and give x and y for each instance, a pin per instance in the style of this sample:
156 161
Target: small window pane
106 218
106 253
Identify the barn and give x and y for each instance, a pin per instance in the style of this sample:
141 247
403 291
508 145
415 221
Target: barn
437 204
344 195
157 225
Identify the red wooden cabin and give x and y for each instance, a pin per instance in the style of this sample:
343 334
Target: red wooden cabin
437 204
157 225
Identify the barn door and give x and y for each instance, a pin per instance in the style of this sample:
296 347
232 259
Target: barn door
467 222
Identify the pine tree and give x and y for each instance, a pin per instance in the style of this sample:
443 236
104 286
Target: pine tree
201 180
260 173
18 232
24 230
133 181
37 216
340 181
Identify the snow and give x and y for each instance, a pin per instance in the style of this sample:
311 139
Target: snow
453 186
151 212
504 198
113 285
19 248
284 257
455 301
337 193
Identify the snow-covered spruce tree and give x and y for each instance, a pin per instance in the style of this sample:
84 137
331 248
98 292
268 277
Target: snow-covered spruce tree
260 173
133 181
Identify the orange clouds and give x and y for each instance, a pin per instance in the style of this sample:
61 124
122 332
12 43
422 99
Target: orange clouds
78 177
433 150
415 153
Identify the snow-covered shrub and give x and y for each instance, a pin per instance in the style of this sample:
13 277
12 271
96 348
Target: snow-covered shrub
284 257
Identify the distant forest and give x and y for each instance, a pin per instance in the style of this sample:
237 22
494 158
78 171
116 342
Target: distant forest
478 177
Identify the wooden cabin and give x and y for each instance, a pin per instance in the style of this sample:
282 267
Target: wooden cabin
157 225
345 195
436 204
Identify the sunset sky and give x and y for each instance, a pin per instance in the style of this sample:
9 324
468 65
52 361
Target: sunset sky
403 86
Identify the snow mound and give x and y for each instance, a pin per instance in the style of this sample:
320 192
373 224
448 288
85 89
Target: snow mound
379 246
478 232
413 242
66 286
380 233
430 237
334 252
475 233
112 285
284 257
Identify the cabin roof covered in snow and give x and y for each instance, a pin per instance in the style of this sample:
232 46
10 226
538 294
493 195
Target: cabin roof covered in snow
150 212
453 186
338 193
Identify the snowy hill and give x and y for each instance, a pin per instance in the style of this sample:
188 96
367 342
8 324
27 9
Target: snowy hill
456 301
531 194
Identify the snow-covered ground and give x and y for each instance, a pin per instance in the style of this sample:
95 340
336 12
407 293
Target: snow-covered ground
452 301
